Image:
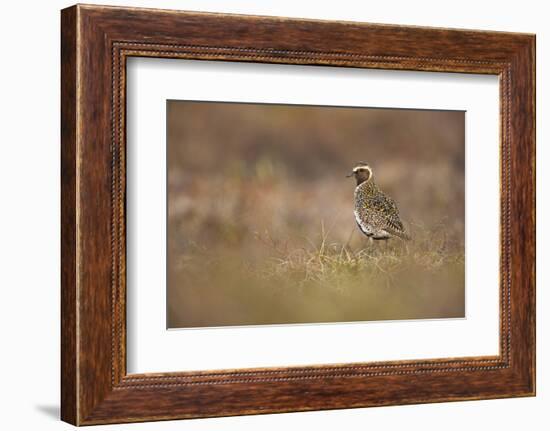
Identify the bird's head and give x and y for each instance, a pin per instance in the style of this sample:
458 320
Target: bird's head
362 172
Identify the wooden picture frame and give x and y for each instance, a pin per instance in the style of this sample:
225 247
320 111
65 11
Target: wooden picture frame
95 43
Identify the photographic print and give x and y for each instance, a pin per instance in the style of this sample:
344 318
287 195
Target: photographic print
274 221
291 214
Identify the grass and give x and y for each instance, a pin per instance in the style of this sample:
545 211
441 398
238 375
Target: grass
333 265
248 187
323 281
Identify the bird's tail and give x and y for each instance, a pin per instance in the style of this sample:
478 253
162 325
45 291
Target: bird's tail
401 234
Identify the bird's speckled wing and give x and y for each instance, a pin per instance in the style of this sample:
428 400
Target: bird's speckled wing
383 208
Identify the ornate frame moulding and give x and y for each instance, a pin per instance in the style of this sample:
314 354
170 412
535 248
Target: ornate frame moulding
96 41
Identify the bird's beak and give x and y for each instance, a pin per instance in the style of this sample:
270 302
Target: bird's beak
349 175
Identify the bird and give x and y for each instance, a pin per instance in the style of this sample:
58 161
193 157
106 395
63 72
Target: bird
375 212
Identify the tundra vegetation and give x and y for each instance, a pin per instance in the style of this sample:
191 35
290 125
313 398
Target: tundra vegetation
260 215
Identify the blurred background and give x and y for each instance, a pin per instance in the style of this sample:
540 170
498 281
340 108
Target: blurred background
260 214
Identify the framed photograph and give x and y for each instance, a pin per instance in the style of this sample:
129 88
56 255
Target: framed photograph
264 215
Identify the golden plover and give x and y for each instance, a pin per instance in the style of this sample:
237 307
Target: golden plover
375 212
